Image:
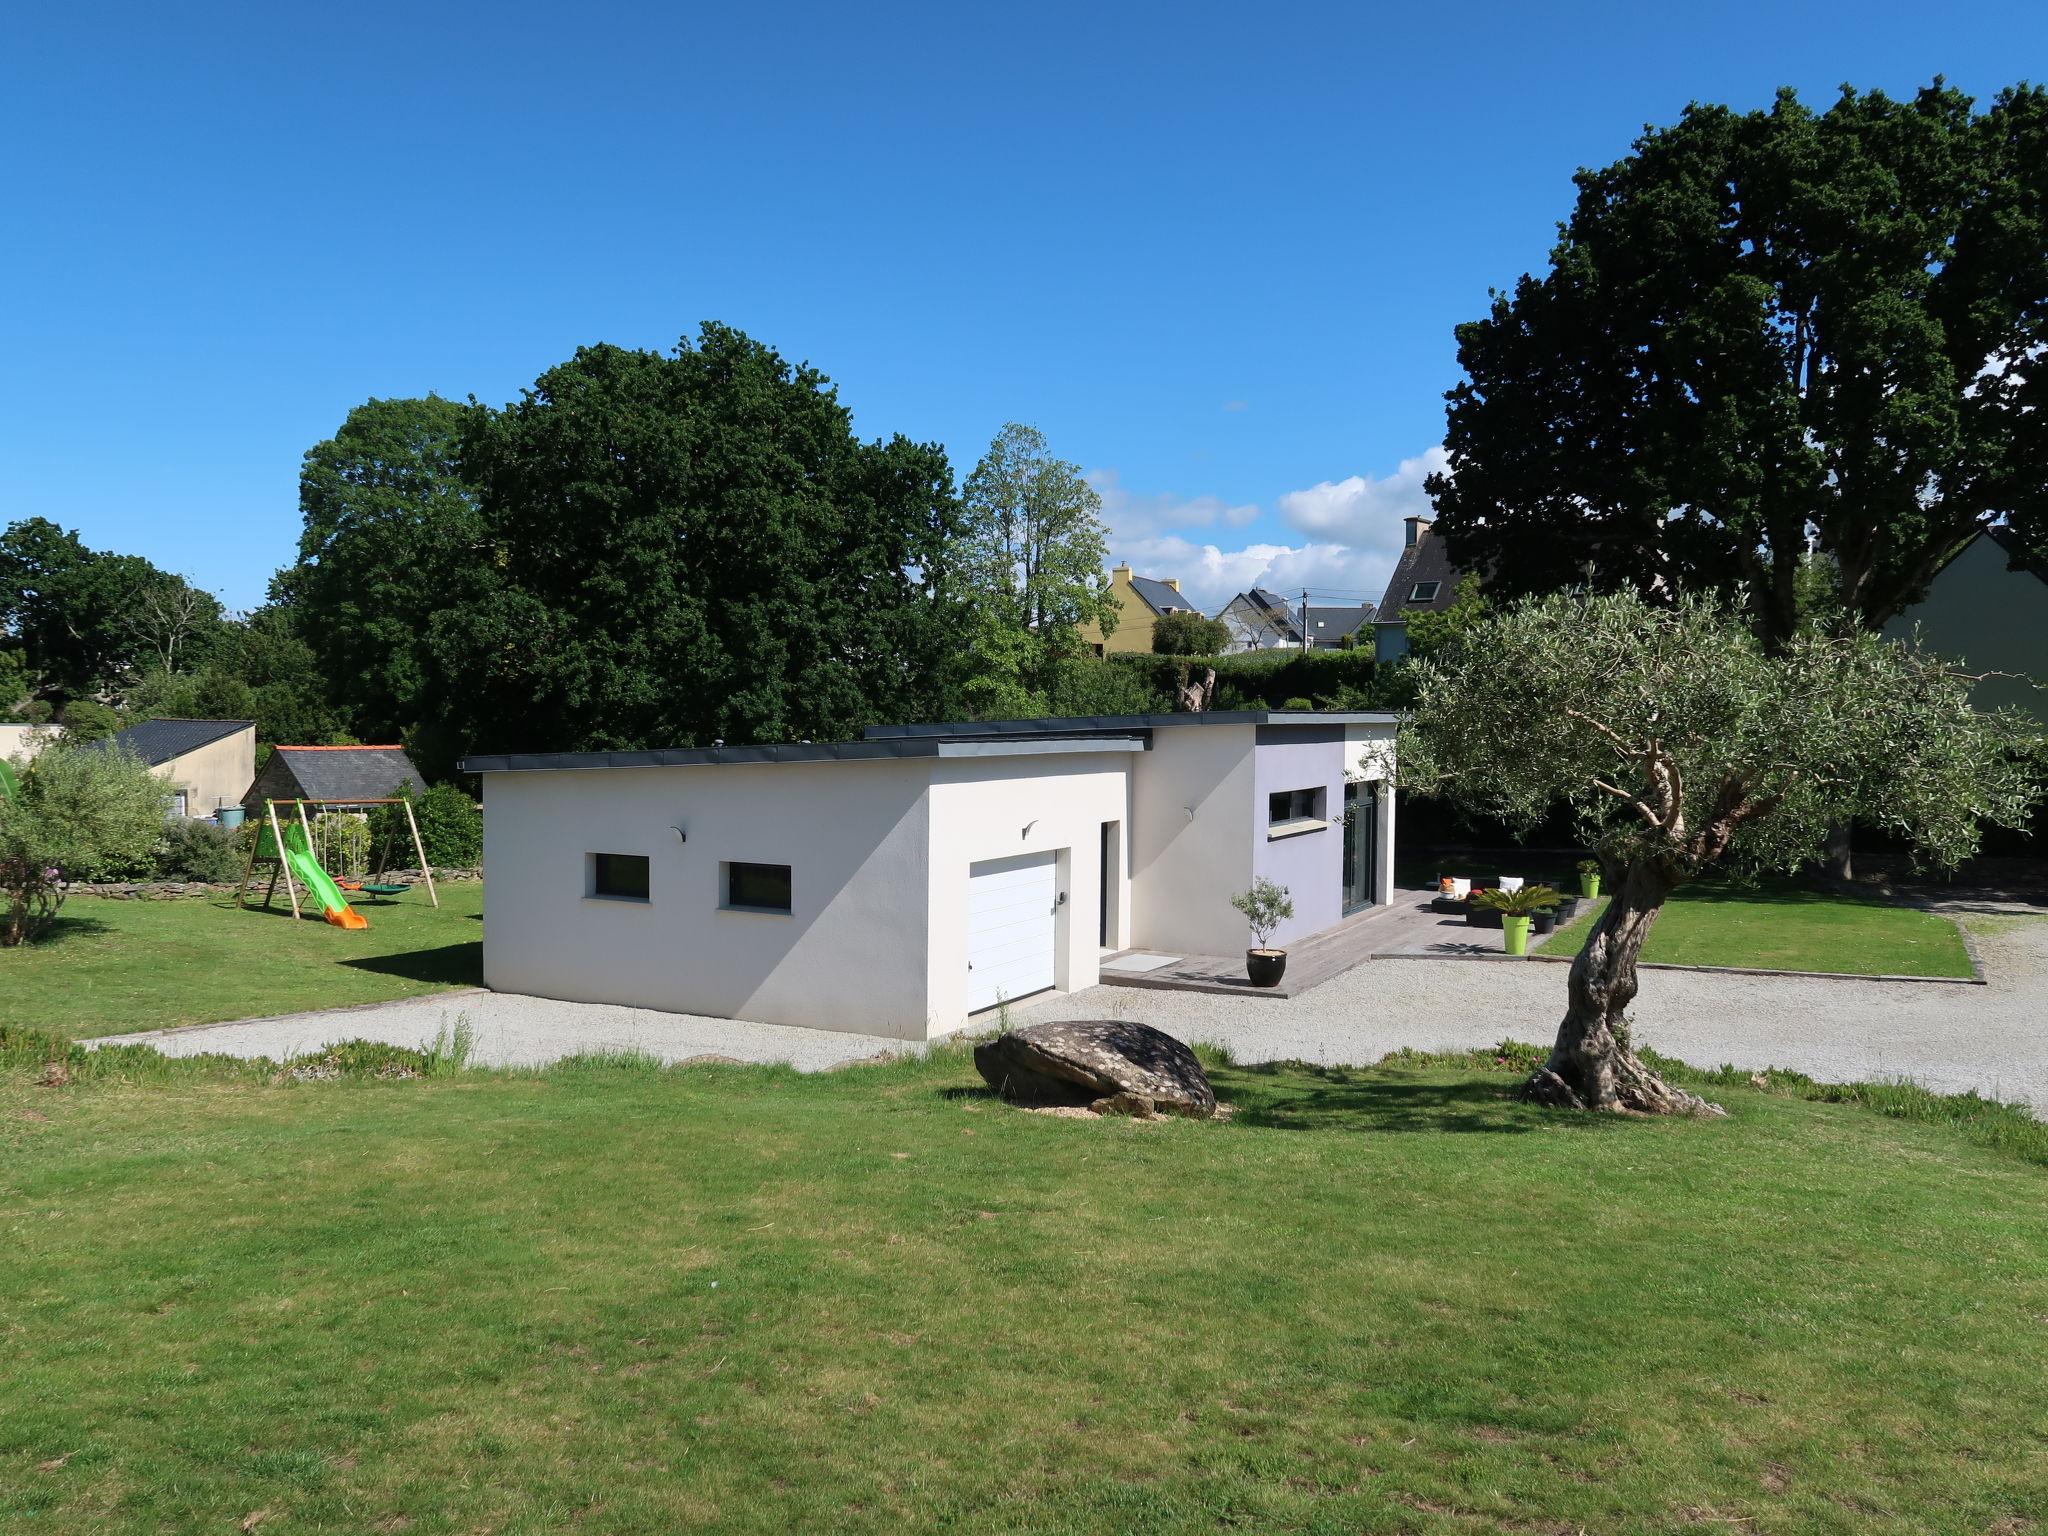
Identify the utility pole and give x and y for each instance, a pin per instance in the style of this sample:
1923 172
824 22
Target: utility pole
1304 621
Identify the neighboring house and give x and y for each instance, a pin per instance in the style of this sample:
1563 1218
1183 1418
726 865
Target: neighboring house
1139 600
1328 628
1989 606
899 884
207 763
25 741
1259 620
336 775
1424 581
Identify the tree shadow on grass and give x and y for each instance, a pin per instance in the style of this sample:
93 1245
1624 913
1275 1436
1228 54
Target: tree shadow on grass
453 965
1293 1096
65 926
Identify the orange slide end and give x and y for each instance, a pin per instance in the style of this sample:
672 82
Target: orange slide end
348 917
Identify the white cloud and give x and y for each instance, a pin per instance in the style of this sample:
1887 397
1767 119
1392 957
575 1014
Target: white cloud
1353 531
1362 511
1134 516
1211 576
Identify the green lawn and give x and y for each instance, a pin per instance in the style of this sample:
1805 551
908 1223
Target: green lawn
108 967
612 1299
1787 929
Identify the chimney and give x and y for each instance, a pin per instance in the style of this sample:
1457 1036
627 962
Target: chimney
1415 527
1123 569
1173 582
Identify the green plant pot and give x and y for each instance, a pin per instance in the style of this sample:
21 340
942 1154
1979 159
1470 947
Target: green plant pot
1589 886
1514 932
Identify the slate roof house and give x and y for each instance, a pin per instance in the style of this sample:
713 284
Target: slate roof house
338 775
1424 581
1989 605
1140 600
1259 620
207 763
900 884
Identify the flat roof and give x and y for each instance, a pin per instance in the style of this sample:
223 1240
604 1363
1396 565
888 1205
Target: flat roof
881 749
1072 724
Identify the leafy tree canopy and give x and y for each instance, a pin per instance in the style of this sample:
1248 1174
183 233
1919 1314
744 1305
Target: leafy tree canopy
85 621
680 549
1189 634
1685 746
392 534
1760 324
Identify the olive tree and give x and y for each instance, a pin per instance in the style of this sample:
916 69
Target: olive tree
1684 746
74 809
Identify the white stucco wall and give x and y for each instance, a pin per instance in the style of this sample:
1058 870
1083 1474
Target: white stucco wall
1192 817
20 743
996 808
1995 619
851 955
217 774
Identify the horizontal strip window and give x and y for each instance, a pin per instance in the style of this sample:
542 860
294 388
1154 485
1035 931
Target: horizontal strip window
1291 805
619 876
757 887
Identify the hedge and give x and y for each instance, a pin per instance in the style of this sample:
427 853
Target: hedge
1263 679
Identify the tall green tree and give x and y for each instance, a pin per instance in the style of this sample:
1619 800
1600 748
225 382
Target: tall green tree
86 621
1763 325
391 536
1685 746
259 668
688 548
1034 549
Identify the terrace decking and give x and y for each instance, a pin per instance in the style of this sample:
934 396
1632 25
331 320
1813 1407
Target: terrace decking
1405 928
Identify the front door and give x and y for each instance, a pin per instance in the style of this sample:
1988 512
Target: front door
1361 835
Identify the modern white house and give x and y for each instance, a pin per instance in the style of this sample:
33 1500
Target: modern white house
900 884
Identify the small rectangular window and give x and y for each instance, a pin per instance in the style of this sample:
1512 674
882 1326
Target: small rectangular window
757 887
1425 592
619 875
1285 805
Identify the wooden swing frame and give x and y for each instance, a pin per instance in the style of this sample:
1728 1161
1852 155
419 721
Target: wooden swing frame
280 866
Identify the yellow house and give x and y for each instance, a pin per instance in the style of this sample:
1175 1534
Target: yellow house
206 764
1139 600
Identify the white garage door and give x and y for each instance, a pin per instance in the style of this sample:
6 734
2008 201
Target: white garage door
1010 916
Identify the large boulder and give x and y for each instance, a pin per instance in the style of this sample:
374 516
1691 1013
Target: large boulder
1110 1065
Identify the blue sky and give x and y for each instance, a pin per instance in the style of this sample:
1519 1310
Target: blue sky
1214 253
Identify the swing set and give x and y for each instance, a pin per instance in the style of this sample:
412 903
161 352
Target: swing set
289 850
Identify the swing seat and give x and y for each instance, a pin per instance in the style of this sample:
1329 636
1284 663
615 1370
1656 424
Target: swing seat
370 888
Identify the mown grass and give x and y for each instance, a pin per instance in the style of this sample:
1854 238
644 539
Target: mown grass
1784 928
613 1298
111 967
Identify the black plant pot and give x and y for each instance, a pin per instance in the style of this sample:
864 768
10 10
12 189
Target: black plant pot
1481 917
1542 922
1265 967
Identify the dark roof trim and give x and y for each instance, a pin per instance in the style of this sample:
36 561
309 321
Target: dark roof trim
800 752
1058 726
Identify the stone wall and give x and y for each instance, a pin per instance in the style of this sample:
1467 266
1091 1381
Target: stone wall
175 890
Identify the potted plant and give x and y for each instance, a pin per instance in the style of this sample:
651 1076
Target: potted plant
1589 878
1265 907
1516 908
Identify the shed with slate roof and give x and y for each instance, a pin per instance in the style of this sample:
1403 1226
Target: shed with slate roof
335 776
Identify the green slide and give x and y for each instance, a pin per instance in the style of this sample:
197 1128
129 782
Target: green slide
298 857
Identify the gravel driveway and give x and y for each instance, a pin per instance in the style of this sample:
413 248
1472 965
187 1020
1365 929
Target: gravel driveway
1991 1038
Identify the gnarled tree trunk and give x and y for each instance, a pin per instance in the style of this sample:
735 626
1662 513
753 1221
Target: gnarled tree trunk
1593 1064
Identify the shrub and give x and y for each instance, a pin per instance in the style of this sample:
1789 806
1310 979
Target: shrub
199 850
1085 685
451 827
77 811
1267 679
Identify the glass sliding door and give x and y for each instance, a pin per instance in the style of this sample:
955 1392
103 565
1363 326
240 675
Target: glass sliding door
1361 836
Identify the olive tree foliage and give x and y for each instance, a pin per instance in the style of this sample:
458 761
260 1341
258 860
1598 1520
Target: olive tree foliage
1684 746
76 809
1760 327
